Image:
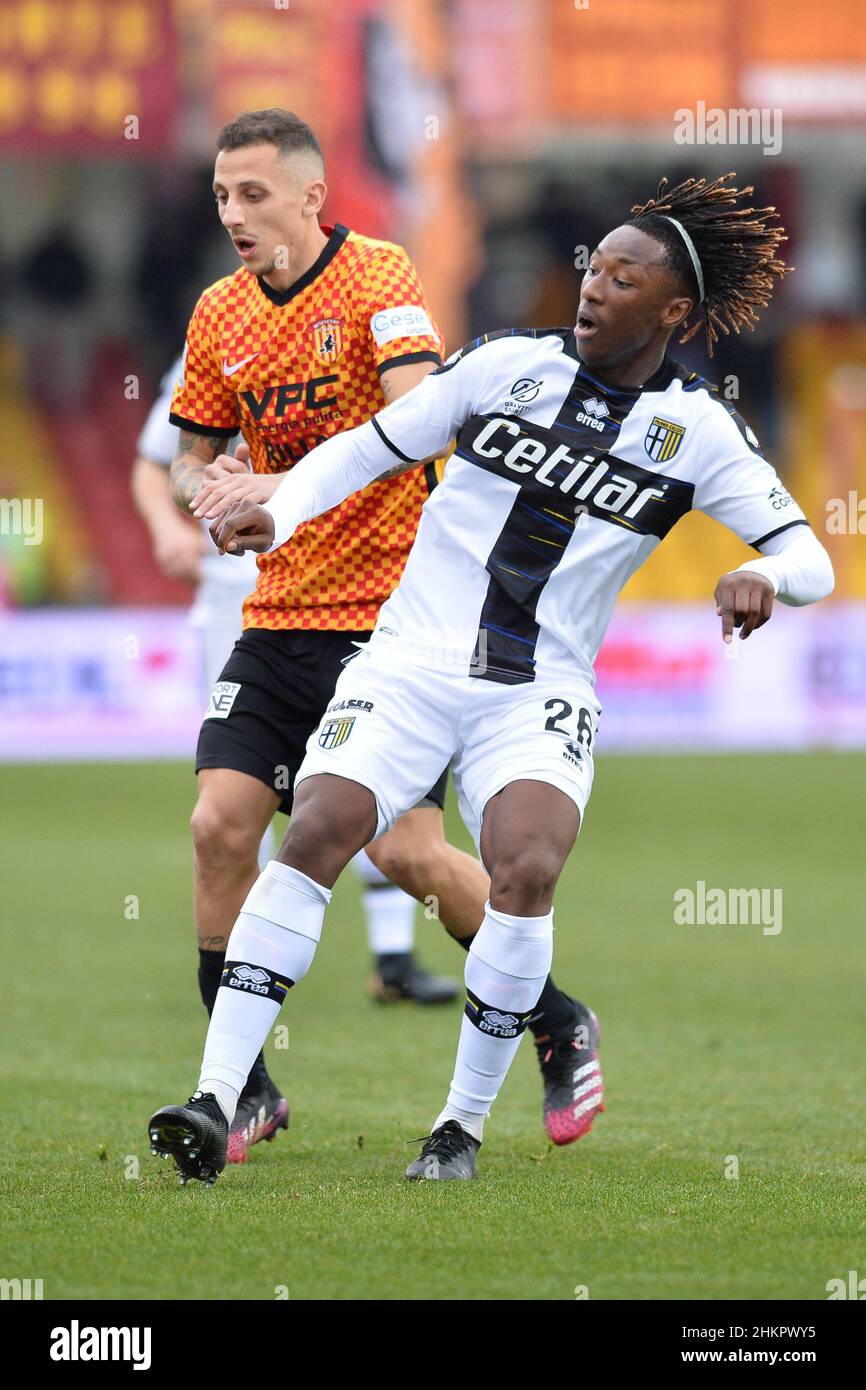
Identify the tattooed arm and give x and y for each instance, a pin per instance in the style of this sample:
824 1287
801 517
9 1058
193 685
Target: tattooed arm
194 453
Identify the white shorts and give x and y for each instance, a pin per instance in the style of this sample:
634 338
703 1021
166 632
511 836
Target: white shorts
392 727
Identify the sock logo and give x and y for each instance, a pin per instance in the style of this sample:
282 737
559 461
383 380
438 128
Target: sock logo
254 975
502 1025
494 1021
254 979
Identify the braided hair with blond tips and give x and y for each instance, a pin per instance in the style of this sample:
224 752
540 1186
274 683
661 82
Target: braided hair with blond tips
736 247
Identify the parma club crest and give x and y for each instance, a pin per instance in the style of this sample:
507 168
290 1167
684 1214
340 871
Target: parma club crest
662 439
335 731
328 339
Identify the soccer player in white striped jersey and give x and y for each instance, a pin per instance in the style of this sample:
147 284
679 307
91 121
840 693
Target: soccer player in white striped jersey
576 452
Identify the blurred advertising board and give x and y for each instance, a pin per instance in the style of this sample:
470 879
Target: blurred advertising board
126 683
99 684
525 67
666 680
87 76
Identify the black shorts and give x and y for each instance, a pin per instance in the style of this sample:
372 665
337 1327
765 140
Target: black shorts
270 696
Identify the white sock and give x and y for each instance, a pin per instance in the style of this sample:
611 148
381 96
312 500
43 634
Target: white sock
271 947
507 965
389 912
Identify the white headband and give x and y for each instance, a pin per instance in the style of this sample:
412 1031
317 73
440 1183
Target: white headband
690 247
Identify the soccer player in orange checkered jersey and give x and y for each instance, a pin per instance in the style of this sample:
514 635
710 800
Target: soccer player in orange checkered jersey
313 334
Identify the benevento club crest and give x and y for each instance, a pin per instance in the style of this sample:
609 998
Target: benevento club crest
328 339
663 439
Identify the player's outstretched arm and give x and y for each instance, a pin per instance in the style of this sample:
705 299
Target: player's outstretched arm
326 477
410 432
219 491
794 567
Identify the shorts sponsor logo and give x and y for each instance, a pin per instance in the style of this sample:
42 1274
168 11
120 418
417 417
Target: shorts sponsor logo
222 698
365 705
573 753
403 321
335 731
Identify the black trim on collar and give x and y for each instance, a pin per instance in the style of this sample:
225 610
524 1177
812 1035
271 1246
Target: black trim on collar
327 254
385 440
778 531
406 358
659 381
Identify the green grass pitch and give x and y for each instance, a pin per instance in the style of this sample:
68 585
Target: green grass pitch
717 1042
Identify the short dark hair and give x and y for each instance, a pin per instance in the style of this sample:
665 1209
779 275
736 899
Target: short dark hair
274 126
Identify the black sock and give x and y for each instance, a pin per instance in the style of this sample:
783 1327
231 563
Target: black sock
554 1011
394 966
210 972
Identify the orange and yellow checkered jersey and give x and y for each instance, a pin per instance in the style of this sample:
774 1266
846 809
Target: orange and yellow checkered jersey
290 368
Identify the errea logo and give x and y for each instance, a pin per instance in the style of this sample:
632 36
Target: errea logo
250 974
594 413
500 1025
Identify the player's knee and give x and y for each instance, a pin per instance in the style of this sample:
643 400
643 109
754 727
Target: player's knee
323 836
525 877
222 839
408 860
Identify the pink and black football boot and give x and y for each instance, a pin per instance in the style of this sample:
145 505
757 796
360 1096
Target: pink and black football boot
571 1074
259 1115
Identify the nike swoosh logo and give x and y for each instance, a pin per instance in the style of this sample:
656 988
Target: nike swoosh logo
230 371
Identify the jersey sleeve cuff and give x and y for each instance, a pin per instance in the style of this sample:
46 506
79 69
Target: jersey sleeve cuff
386 441
407 358
762 540
195 427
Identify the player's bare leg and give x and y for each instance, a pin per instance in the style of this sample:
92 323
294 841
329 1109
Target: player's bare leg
230 817
528 831
415 855
450 885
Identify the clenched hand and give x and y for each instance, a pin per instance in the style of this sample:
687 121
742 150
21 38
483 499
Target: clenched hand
744 599
245 526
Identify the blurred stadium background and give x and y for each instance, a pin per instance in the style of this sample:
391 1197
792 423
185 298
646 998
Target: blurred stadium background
494 140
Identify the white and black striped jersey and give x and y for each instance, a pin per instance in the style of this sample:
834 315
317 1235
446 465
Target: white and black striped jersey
559 488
